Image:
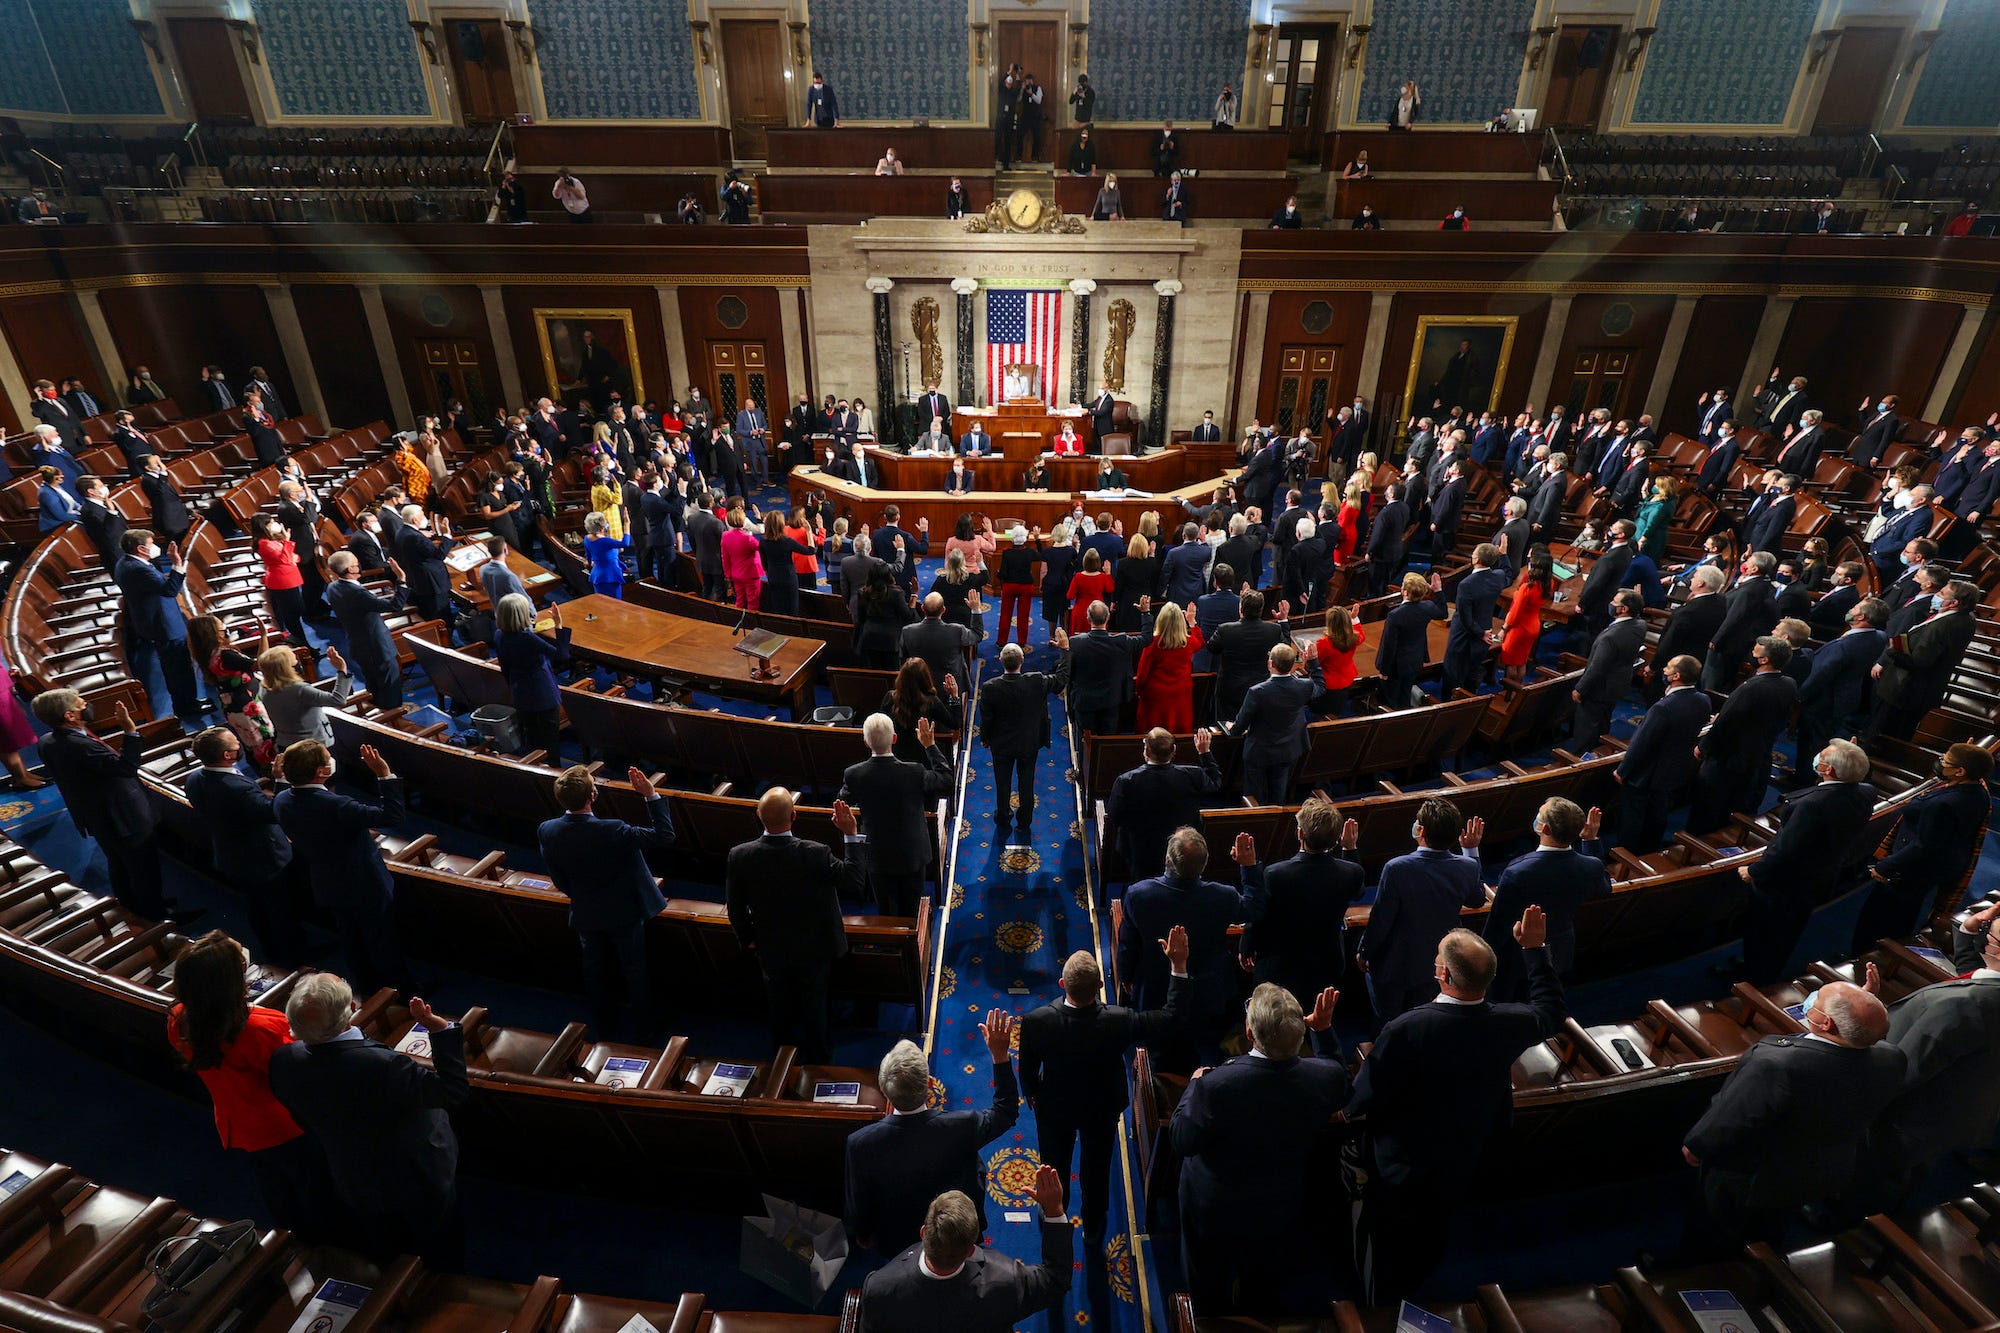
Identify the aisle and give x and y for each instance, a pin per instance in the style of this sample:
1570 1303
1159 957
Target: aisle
1016 912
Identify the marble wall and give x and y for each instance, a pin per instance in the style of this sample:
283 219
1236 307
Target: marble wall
1957 88
1723 62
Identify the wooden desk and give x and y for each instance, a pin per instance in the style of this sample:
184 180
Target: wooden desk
1208 197
1473 152
1130 151
1429 199
1364 656
581 147
538 581
1161 470
653 644
1037 509
1022 431
832 197
932 149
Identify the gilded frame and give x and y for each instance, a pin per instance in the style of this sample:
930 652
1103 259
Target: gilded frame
1429 324
596 319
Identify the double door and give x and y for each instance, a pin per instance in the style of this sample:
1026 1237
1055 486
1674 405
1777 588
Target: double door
1305 386
1304 62
754 78
1599 377
739 373
452 369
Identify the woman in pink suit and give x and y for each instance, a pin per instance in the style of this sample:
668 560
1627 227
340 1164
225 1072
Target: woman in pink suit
742 561
1166 673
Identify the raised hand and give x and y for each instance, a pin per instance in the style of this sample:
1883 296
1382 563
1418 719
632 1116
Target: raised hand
1475 829
641 784
1321 1017
1532 930
951 688
1872 980
926 733
335 660
1591 823
844 820
1175 947
1062 640
423 1017
1202 739
1350 835
1244 851
555 615
124 716
372 759
395 570
1049 1190
998 1029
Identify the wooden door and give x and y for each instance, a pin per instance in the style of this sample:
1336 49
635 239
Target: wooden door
1036 45
1304 60
1864 65
452 369
1579 76
1599 377
738 373
1304 390
206 51
480 74
753 80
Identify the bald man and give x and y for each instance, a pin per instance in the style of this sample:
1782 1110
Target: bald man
1787 1126
783 896
940 643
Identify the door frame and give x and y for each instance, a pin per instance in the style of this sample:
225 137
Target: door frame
1327 113
1900 84
171 70
796 78
1055 100
518 63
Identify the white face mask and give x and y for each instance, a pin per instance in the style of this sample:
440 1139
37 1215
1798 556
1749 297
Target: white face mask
332 767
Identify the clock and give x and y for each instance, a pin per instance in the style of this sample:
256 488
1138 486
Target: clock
1024 210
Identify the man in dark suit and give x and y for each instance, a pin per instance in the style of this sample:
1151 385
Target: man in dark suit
168 511
1545 509
1770 514
260 381
1606 576
915 544
1417 900
422 558
50 409
600 866
1101 666
1833 701
1386 551
1073 1071
1690 627
155 629
940 643
950 1281
263 430
892 796
1555 877
1718 463
1916 667
1296 933
1435 1088
1447 508
1935 841
358 610
975 443
1736 754
215 389
249 850
705 536
1271 723
908 1157
1014 727
101 791
1607 675
1749 609
333 834
546 431
1404 648
1982 488
1478 593
783 895
1629 490
1659 759
932 403
132 443
1207 432
1716 411
1881 431
1786 1129
1103 408
1800 454
104 525
1148 803
1242 1130
1240 650
381 1119
299 512
854 569
1206 909
1829 610
50 450
1787 406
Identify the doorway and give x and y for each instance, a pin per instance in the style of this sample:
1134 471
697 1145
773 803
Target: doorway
1305 383
211 73
1864 65
739 373
1579 74
1599 377
1304 62
753 79
452 369
481 77
1036 45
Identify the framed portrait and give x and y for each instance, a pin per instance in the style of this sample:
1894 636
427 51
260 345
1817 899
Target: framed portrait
1458 361
589 354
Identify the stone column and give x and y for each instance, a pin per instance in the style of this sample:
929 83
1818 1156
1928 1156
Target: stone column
1956 359
505 367
298 356
1670 359
1764 348
1163 355
14 384
1369 384
1244 400
1079 356
104 350
680 372
890 423
963 288
1540 388
385 355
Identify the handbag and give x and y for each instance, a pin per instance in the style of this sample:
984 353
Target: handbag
187 1270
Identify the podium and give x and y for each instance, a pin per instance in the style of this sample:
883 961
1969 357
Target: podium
1023 428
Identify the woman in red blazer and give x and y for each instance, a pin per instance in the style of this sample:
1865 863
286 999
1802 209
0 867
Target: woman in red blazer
1166 673
228 1041
284 584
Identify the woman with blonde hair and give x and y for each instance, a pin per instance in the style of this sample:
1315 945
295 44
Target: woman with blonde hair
1353 509
1409 107
1166 672
1656 512
298 709
960 586
1133 579
607 497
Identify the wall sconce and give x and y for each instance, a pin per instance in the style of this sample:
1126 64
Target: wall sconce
150 35
524 37
1920 46
698 28
1357 40
1077 33
1822 42
246 33
1543 36
1637 47
979 44
1260 44
422 29
798 43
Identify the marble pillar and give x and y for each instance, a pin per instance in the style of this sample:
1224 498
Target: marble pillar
889 424
384 341
963 288
1956 360
298 356
1079 357
506 366
1157 433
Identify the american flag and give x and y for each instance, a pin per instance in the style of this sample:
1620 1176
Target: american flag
1022 327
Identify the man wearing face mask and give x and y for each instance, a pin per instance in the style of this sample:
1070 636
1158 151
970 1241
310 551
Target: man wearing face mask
1820 834
1735 755
1366 220
1458 221
422 558
1935 841
1916 667
154 626
1834 696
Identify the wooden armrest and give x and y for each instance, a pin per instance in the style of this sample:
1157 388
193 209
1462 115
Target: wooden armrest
484 867
1686 1031
561 1055
663 1068
415 848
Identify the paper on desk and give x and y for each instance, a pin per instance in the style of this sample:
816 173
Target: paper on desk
638 1323
331 1308
466 559
1410 1319
838 1094
729 1081
416 1042
1718 1312
622 1071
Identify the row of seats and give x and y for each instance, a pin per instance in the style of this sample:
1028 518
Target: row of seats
345 205
1787 181
247 171
224 143
1624 213
1847 154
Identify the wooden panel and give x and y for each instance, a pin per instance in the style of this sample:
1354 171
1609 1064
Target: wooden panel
1425 200
1035 44
1850 346
1641 324
1575 97
624 198
481 74
1718 343
837 198
920 149
1335 323
48 339
211 74
419 314
1531 314
707 322
552 147
1254 199
1435 150
753 72
1863 65
173 330
350 376
1123 150
1981 385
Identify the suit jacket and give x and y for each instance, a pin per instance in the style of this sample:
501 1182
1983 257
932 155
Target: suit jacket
1630 488
1875 437
899 1164
57 507
1786 408
1272 721
1546 509
1837 688
1765 526
1206 432
1950 1096
218 395
1718 411
423 565
1101 667
1556 879
1014 712
1073 1056
1916 677
934 404
989 1294
1752 717
359 611
1789 1121
55 412
1606 577
249 848
1717 464
1982 489
1206 910
1149 802
1477 595
1828 613
1608 673
1749 609
600 866
892 795
1417 902
1438 1082
1385 536
380 1117
1446 507
783 898
152 598
169 510
1899 531
1241 651
332 834
941 644
1690 628
272 403
134 446
1405 645
1801 453
975 444
1297 927
1660 755
1244 1131
106 527
100 785
1936 836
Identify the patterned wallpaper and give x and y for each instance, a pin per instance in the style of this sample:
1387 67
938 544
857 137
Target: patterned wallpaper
1724 62
98 57
343 57
1957 87
893 59
1465 55
1158 60
616 59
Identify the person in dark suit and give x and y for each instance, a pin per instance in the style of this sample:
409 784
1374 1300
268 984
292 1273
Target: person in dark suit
1691 626
600 866
101 791
1716 412
1787 1127
1749 610
299 512
1819 835
1717 465
1881 430
940 643
1935 842
1801 451
1271 723
1736 754
1607 675
1014 727
1556 877
1606 576
1207 432
381 1119
260 381
1148 803
949 1281
1434 1089
104 525
1545 508
1073 1071
1101 666
1447 508
1417 900
1404 648
132 443
1950 1099
1829 611
168 511
1788 404
892 795
902 1161
1240 650
249 850
1660 758
1770 514
1626 493
1174 202
783 894
155 629
358 610
931 403
421 547
263 431
1477 594
1296 934
1242 1130
1915 669
1206 909
1103 410
1892 544
215 389
915 544
50 409
1387 550
333 835
1833 698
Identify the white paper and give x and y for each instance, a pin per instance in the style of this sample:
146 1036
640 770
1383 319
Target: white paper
1410 1319
331 1307
466 559
1718 1312
838 1094
416 1043
729 1081
638 1323
1923 951
1019 1217
622 1071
